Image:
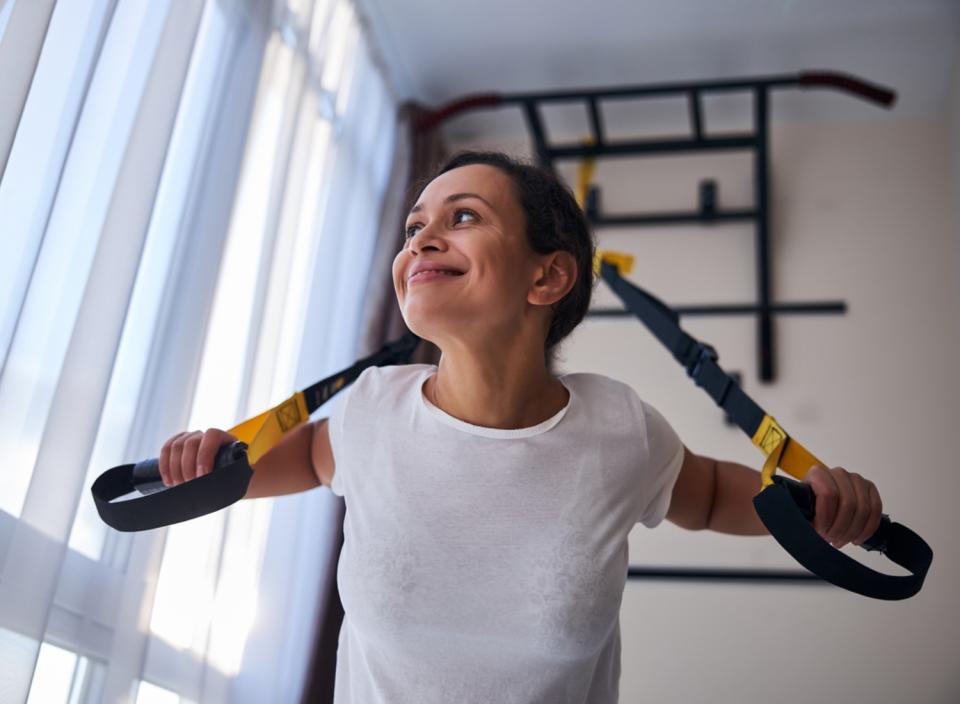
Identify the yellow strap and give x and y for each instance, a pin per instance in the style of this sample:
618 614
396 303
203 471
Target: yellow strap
262 432
781 451
588 167
770 465
621 260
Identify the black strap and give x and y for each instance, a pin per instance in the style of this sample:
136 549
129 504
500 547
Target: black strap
198 497
397 352
228 481
786 507
698 358
780 513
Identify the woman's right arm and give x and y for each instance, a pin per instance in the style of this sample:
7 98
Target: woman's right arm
301 460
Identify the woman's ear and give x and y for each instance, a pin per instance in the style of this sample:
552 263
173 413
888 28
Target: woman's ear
556 275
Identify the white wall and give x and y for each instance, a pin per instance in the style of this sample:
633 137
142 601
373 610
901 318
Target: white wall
862 213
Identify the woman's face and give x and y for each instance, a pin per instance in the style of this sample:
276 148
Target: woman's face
467 219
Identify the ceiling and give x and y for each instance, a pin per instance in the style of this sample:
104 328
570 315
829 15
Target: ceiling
435 50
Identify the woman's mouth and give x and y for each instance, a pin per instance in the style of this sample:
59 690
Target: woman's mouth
432 275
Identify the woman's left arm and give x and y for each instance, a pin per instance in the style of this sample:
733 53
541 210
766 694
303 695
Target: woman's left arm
716 495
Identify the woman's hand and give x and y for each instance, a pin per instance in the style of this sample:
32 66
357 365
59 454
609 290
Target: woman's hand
848 507
188 455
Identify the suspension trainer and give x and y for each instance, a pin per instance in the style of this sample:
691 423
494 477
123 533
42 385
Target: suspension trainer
160 505
785 506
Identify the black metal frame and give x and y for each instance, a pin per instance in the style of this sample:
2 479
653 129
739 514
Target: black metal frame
755 141
723 574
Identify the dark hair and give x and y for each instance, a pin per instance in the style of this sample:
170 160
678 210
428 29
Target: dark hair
554 222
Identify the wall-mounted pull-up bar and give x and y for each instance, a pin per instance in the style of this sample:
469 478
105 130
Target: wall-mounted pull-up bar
755 140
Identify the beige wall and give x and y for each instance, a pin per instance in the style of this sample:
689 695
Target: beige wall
862 213
955 126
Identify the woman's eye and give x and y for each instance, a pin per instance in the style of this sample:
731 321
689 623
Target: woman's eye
411 230
457 215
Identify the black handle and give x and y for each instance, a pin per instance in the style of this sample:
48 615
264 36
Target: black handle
786 508
146 473
802 494
164 506
227 483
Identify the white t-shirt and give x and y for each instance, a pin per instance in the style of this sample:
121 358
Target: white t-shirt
484 564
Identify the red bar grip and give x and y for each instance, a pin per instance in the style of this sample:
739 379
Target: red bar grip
850 84
431 119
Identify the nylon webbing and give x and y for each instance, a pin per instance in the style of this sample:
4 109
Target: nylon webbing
785 507
228 483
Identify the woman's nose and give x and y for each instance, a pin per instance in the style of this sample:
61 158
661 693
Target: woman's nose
427 236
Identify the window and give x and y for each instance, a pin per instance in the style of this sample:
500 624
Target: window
189 189
152 694
62 676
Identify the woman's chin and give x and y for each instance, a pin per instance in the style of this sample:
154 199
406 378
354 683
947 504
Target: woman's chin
433 324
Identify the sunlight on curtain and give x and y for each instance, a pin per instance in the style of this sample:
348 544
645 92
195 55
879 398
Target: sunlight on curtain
184 601
63 676
54 675
100 63
148 693
235 603
146 100
254 337
127 380
52 210
185 593
5 9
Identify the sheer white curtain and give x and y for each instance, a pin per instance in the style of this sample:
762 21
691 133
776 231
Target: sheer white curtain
189 196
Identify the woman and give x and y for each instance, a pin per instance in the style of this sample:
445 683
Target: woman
488 501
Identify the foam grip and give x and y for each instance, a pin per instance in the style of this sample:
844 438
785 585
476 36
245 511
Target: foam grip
146 473
803 496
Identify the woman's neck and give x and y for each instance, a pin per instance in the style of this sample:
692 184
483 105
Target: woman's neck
495 392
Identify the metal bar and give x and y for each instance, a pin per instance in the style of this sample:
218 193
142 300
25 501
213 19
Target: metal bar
757 141
810 308
532 112
696 119
762 204
701 574
672 218
626 92
595 123
653 146
816 79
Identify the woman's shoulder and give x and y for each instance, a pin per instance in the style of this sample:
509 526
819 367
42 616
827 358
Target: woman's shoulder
392 372
602 396
592 382
609 400
377 380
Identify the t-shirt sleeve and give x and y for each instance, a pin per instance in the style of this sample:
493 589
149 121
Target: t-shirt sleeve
665 457
338 424
335 430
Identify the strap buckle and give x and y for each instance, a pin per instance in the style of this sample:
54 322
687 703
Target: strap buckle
701 352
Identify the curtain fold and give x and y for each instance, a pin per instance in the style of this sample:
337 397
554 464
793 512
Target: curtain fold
33 564
20 46
185 254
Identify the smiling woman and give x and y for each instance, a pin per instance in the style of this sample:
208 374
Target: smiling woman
489 501
540 214
523 255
